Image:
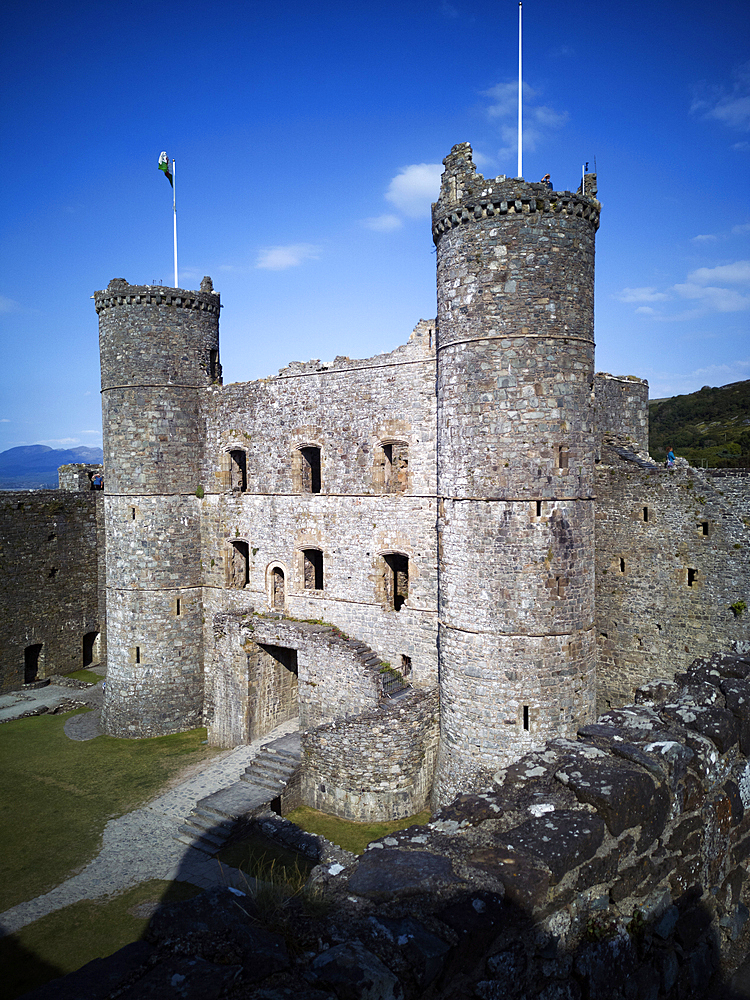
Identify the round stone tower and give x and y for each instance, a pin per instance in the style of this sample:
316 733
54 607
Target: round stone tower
515 350
159 348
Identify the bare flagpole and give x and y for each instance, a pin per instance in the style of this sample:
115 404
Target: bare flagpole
520 97
174 207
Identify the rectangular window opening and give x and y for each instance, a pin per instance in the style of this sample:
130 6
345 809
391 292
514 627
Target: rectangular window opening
396 466
563 454
645 513
396 580
178 606
132 514
622 565
310 470
539 508
238 569
704 527
313 569
238 473
137 654
213 365
405 665
692 576
526 717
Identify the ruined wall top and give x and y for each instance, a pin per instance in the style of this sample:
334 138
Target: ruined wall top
467 195
119 292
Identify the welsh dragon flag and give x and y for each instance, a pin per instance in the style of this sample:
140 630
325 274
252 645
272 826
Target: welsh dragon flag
164 165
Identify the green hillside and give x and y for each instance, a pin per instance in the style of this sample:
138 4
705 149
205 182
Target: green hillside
709 428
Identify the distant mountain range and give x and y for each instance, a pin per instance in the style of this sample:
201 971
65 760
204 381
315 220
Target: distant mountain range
34 466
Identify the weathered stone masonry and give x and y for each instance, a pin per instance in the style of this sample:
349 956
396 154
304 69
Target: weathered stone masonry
515 454
51 579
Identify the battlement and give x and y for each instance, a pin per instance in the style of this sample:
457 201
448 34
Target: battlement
465 196
119 293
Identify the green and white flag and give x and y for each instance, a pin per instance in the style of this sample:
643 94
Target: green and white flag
164 165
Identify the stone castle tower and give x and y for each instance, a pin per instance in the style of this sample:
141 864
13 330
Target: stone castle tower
515 454
159 350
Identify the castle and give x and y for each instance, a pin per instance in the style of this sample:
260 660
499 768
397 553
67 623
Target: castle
472 519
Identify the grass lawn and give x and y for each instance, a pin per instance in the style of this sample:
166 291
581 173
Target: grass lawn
69 938
57 794
85 675
352 837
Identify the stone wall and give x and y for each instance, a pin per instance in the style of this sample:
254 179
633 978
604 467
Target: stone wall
671 560
378 766
335 677
622 409
51 594
373 422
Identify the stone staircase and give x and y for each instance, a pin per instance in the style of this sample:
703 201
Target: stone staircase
215 817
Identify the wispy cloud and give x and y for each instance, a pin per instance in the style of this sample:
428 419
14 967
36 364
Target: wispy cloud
382 223
705 238
648 294
281 258
538 119
741 229
671 383
724 288
61 442
414 188
8 305
4 420
728 105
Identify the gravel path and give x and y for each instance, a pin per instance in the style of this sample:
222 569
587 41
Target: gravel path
140 845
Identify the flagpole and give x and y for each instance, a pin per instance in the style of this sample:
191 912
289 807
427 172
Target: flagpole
174 207
520 97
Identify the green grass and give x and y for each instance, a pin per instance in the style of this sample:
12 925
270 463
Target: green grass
69 938
352 837
57 794
85 675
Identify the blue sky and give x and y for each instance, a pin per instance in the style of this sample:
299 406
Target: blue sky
308 140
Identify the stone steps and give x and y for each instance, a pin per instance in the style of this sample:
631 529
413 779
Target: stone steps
215 817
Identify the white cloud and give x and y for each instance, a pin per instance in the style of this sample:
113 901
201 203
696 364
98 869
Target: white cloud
281 258
737 273
714 298
414 188
739 230
4 420
648 294
646 311
60 442
706 285
382 223
731 107
704 238
538 119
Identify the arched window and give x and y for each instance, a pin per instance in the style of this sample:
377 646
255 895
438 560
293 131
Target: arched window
278 588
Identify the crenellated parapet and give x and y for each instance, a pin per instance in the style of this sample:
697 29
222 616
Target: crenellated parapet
120 293
466 196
